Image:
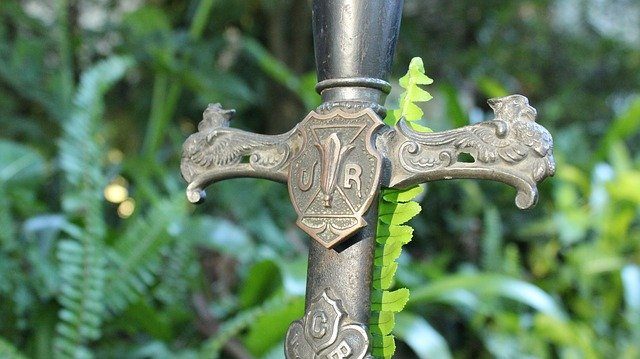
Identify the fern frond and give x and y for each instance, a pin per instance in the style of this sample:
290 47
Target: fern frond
136 257
82 271
82 146
82 264
8 351
394 210
179 265
408 109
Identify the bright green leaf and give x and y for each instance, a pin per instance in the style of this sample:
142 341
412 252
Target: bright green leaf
383 346
382 322
395 208
488 284
387 254
402 233
383 278
391 301
402 195
263 278
418 127
270 327
398 213
491 88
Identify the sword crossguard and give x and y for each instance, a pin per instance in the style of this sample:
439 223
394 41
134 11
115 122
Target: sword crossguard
334 162
217 152
512 149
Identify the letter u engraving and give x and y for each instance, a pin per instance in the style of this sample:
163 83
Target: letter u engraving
305 186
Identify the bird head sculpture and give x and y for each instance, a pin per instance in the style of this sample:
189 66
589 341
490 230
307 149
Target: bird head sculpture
215 117
513 107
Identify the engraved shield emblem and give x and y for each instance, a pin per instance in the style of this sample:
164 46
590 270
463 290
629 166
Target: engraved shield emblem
335 177
326 332
322 322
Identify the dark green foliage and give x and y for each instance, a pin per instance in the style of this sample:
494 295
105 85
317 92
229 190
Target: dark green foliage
104 92
82 265
139 254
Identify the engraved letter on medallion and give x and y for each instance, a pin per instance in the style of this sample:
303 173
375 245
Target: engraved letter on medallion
342 351
303 184
352 173
319 324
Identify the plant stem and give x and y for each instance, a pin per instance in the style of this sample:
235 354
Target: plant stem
165 101
66 53
200 18
156 113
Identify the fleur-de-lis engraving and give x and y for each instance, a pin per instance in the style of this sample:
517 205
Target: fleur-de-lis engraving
331 153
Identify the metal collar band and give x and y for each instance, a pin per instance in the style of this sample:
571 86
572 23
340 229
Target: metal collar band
368 82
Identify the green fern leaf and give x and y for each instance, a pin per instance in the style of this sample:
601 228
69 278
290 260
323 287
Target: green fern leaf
137 256
404 195
81 258
395 208
390 301
396 232
181 264
81 296
383 279
387 254
384 323
8 351
397 213
383 346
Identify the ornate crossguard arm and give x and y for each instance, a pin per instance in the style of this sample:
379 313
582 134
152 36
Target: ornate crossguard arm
512 149
217 152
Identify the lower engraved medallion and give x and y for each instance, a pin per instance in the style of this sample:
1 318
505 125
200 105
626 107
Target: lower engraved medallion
326 332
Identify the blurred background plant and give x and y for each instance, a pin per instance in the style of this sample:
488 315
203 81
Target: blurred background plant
100 256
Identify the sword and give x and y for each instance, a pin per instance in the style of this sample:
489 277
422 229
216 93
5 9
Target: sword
337 158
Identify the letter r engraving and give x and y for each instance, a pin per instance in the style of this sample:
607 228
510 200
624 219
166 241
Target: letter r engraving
352 173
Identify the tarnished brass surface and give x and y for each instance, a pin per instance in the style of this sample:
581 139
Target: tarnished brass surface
512 149
326 331
217 152
336 175
333 169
